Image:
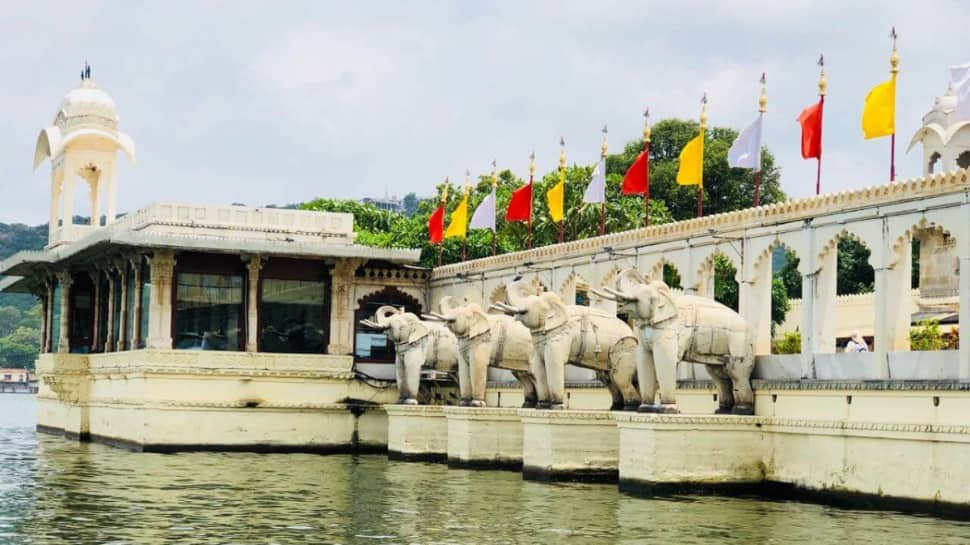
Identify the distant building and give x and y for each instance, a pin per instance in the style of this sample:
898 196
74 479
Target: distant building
17 380
391 204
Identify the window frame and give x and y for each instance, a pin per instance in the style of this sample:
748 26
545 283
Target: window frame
217 264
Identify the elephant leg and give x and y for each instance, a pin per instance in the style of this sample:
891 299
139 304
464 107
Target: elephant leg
556 356
739 369
542 384
623 370
604 377
666 354
478 373
646 377
725 394
528 388
464 382
413 360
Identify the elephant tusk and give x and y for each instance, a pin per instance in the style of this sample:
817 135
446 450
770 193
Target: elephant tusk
602 295
616 294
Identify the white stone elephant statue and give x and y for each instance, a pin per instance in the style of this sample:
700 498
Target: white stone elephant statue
569 334
417 344
487 340
674 328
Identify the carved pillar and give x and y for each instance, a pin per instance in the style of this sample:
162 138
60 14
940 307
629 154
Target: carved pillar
136 332
122 267
67 188
808 270
160 304
55 203
64 338
109 344
965 311
342 306
109 174
254 264
96 307
823 319
901 297
43 323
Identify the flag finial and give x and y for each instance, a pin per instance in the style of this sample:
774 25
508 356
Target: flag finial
532 164
894 58
468 178
704 111
604 146
646 124
562 154
444 191
823 83
494 173
763 99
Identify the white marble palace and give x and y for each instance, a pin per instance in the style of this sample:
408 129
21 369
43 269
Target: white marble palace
181 326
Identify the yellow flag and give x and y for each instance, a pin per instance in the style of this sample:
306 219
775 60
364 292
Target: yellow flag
555 198
691 170
879 111
459 220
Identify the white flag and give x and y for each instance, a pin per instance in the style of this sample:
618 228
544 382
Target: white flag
484 216
960 79
596 190
745 152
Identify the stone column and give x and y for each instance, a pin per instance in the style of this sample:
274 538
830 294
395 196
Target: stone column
900 298
965 313
160 305
55 203
136 331
254 264
67 188
880 326
342 306
109 173
823 317
95 183
96 308
122 267
64 339
808 270
109 344
44 324
49 317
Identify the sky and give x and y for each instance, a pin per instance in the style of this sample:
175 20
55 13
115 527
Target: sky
281 102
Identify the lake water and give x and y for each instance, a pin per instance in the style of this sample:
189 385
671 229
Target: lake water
57 491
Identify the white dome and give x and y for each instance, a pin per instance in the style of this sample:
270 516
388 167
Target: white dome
88 100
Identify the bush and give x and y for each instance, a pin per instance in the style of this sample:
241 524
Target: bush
926 336
789 343
953 339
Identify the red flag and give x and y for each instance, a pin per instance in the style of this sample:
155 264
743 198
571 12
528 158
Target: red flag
520 206
436 225
635 179
811 120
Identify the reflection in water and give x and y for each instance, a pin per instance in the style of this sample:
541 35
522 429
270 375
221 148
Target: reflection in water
54 491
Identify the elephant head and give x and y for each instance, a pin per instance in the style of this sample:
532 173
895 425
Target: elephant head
537 311
651 302
401 327
463 317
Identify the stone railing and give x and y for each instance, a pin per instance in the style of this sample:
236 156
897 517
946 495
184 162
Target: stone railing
784 212
339 226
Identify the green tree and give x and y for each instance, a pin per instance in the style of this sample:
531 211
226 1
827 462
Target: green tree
725 285
20 348
855 275
10 318
927 336
410 203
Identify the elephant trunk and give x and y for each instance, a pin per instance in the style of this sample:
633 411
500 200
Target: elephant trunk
384 314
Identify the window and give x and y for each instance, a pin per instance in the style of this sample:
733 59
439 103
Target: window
934 159
146 298
582 296
292 316
371 345
209 311
963 160
82 314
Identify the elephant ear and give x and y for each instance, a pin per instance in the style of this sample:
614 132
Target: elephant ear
558 315
664 305
480 323
629 280
419 330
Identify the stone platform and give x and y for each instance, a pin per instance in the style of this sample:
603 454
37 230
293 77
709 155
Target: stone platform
569 445
487 437
417 433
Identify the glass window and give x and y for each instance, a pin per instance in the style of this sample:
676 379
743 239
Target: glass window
208 311
371 345
292 316
130 309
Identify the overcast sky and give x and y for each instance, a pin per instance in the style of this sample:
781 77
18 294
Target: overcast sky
279 102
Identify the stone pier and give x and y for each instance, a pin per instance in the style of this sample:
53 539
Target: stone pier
488 437
417 433
569 445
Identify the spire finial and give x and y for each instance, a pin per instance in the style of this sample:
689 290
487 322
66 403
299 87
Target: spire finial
494 173
532 163
604 146
704 111
894 58
444 191
646 124
763 99
823 83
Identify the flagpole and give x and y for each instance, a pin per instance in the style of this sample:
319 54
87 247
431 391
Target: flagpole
762 108
444 201
894 70
603 149
464 239
494 198
532 173
822 85
562 178
700 183
646 152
